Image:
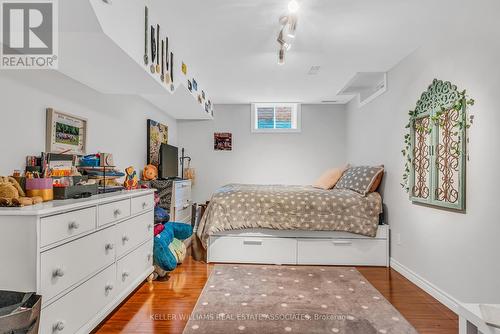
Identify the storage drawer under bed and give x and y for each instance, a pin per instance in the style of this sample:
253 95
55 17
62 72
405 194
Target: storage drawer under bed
252 250
361 252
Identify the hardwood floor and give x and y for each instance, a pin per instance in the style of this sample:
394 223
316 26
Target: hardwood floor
163 307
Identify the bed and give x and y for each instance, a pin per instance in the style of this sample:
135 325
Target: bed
280 224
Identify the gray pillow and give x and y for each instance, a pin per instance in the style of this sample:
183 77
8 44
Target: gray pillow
359 179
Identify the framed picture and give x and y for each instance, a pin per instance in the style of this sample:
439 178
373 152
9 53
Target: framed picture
223 141
157 134
65 133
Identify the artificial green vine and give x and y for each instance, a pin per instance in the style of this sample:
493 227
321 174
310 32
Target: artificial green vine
462 103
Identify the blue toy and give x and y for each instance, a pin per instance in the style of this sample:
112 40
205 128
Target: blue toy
161 215
163 255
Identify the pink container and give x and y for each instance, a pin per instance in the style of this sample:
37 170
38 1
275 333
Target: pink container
40 187
38 184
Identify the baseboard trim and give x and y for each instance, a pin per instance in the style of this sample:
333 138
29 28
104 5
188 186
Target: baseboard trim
427 286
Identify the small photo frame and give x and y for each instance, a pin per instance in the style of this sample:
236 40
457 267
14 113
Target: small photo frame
223 141
203 94
195 85
190 86
65 133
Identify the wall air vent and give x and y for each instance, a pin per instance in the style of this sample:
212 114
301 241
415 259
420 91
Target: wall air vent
314 70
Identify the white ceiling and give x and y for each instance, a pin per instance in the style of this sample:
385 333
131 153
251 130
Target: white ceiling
232 43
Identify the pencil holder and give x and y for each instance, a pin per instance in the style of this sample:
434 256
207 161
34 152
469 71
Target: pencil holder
40 187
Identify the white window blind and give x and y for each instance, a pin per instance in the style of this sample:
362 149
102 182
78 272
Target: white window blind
275 117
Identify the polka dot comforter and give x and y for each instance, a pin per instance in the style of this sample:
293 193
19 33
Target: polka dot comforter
284 207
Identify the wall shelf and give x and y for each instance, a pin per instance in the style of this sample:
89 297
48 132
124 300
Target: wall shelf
95 52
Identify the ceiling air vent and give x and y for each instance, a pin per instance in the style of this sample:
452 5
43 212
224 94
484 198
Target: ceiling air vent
314 70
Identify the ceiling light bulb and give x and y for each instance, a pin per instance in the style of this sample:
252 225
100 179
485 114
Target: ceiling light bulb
293 6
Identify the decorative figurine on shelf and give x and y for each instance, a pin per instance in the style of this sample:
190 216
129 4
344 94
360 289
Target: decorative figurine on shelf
150 173
131 179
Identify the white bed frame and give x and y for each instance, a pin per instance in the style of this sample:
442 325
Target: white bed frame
300 247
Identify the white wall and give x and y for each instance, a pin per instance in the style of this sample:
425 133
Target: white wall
116 123
457 253
294 158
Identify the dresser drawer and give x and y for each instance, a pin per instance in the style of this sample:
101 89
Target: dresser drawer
63 226
63 266
252 250
111 212
129 268
363 252
131 233
183 213
182 193
75 309
141 203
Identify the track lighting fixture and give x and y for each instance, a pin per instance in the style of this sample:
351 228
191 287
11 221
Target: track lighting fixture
281 56
288 27
281 40
292 25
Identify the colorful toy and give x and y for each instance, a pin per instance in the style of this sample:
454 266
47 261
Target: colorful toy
169 250
131 179
150 172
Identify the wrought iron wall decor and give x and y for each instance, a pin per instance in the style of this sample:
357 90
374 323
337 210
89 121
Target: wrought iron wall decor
435 147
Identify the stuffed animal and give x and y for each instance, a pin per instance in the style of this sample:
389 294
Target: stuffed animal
150 173
11 193
131 179
169 250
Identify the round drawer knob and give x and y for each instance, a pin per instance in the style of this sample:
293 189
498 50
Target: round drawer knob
108 287
125 274
58 326
150 226
73 225
125 238
117 212
110 246
144 205
58 272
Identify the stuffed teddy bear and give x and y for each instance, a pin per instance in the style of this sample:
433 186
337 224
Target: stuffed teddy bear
11 193
131 179
169 250
150 173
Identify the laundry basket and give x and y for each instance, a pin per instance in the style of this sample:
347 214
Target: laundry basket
19 312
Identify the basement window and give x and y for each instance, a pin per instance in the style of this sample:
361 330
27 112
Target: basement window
275 117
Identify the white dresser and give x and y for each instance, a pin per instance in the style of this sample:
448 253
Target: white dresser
83 256
180 205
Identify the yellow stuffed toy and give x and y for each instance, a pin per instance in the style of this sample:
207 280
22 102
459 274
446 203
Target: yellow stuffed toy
150 173
11 193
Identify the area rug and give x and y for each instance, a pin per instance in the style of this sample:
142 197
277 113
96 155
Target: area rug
282 299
